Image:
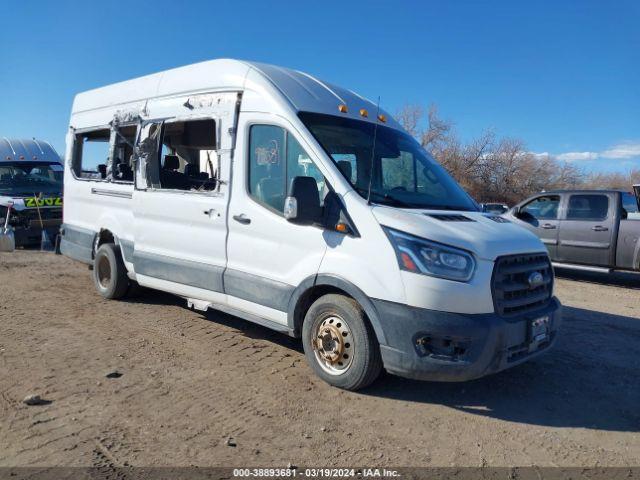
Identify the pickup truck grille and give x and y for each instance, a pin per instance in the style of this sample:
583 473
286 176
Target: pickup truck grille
513 294
30 217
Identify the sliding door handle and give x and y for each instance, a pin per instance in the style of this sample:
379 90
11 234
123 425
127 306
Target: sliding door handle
242 218
599 228
548 226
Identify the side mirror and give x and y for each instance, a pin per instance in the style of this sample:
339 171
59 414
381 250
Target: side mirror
515 211
302 206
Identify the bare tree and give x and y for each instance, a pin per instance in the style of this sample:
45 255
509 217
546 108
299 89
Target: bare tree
439 132
410 116
500 169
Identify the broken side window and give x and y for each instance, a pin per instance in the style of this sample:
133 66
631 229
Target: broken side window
122 161
188 159
91 154
146 156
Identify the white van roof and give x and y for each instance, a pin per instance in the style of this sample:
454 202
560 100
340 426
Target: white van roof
26 150
302 91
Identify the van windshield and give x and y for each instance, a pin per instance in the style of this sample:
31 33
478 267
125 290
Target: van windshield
403 174
21 179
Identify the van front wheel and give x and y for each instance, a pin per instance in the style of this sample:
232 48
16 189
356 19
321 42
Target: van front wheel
109 272
339 343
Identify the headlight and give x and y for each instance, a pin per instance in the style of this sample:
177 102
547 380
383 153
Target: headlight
418 255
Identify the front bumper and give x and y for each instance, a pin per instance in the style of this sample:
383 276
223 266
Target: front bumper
450 347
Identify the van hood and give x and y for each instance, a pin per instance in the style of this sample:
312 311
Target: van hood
487 236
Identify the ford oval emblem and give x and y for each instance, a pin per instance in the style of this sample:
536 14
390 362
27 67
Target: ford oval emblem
535 280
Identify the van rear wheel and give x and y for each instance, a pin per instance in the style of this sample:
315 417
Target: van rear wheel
109 272
339 343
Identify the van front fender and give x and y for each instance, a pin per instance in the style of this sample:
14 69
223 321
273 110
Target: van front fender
295 317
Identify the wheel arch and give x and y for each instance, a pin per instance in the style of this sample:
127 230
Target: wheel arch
314 287
109 230
107 235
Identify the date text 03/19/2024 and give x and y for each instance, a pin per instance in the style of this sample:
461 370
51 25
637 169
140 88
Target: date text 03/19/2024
315 472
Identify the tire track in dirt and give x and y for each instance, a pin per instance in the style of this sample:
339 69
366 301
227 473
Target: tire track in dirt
191 381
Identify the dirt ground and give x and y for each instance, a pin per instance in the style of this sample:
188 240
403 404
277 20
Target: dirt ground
192 381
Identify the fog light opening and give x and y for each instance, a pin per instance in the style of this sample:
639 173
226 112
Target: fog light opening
444 348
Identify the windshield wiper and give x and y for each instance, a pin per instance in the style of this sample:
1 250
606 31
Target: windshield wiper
386 197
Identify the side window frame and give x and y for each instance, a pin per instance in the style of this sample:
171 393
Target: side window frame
248 158
535 199
161 124
590 219
140 177
78 132
112 147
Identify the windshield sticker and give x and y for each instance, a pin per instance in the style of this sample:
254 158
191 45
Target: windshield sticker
268 155
33 202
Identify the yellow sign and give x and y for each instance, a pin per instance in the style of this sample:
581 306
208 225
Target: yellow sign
34 202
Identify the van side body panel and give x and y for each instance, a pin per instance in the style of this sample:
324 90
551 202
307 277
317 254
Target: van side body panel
90 207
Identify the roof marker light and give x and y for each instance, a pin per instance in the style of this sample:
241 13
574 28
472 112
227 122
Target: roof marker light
382 118
364 113
343 108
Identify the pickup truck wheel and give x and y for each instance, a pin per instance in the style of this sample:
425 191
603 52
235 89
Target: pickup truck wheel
339 343
109 272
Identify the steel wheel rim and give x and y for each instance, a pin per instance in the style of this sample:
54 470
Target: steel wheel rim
104 272
333 345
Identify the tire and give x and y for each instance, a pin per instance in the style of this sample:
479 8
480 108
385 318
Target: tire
340 344
109 272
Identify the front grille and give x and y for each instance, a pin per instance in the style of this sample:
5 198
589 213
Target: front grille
45 213
30 218
513 293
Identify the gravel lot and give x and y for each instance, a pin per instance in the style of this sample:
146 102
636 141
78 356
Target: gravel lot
191 382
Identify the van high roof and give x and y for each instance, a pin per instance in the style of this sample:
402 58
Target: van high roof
300 91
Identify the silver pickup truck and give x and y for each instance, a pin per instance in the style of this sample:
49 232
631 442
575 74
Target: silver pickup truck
596 230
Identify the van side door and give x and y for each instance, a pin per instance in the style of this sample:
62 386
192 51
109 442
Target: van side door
268 256
540 215
587 229
180 207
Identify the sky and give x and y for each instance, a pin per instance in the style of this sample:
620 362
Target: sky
564 76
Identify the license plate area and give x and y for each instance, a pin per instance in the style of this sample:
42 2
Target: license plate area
538 332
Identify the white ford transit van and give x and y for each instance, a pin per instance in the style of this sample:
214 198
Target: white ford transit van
271 195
